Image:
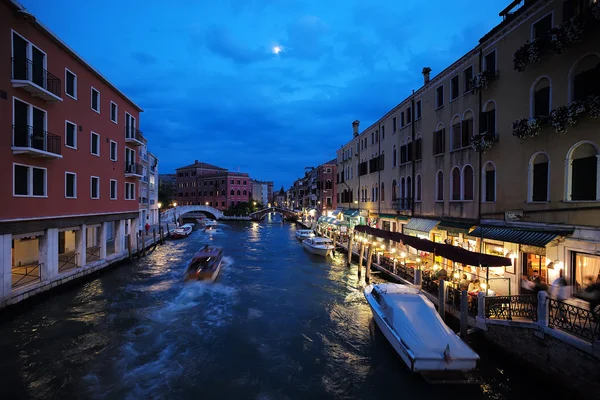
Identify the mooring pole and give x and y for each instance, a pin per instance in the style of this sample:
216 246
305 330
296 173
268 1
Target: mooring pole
360 258
369 261
129 246
464 313
442 299
350 243
154 236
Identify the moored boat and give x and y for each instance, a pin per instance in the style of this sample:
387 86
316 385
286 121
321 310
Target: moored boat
411 324
318 245
183 231
302 234
210 224
205 265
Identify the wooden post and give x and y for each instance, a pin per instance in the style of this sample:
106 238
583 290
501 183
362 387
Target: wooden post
360 258
168 231
154 236
350 237
161 235
143 242
442 299
128 238
369 261
137 245
464 313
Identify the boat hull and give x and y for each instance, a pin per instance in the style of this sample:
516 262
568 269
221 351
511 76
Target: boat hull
318 251
300 236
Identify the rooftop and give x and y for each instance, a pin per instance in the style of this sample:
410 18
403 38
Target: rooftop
198 164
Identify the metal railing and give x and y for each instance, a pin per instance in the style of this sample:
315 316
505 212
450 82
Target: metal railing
134 133
67 261
32 273
92 253
36 138
509 307
404 203
574 320
134 168
26 70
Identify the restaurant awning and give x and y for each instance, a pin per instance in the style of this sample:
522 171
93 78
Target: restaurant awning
335 213
321 218
529 237
387 216
351 213
421 225
449 252
455 227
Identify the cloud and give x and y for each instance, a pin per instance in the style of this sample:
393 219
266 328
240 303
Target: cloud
219 40
306 38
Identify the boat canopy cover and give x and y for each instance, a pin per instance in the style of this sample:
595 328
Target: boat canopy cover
418 324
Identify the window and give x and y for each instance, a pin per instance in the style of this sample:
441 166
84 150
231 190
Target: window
408 187
409 155
402 119
467 183
439 141
70 135
468 78
328 184
541 28
439 96
113 150
95 145
418 148
408 115
70 84
95 187
382 193
130 191
403 153
455 184
582 165
456 133
394 190
70 185
394 124
418 111
96 100
113 189
394 156
403 188
538 177
239 192
487 119
489 62
29 181
114 112
382 132
454 88
489 182
585 78
418 189
439 187
541 98
467 129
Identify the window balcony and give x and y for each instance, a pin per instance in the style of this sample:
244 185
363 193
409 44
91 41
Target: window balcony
134 137
134 170
35 142
402 204
143 201
36 80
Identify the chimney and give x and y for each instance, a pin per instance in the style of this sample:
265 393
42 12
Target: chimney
196 162
426 72
355 127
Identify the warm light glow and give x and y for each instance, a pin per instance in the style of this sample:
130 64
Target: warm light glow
403 255
207 203
276 49
456 275
436 266
355 201
174 204
393 249
253 203
483 286
159 204
559 264
418 259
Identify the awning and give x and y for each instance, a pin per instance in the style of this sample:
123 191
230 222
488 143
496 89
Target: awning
529 237
335 213
388 216
402 217
421 225
449 252
321 218
351 213
455 227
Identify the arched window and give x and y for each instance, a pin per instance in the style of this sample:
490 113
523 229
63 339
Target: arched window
217 193
487 120
418 188
211 193
244 192
239 192
394 190
409 187
376 192
439 187
403 153
394 157
205 193
540 97
455 184
382 192
232 192
488 182
539 178
418 147
582 164
584 77
402 188
467 128
467 182
328 185
456 133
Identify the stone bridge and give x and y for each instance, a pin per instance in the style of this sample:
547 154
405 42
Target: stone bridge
260 214
168 215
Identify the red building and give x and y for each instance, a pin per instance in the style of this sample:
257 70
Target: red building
68 157
327 188
206 184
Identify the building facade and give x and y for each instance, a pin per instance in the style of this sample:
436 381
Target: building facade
167 184
206 184
326 187
487 156
153 179
71 158
262 192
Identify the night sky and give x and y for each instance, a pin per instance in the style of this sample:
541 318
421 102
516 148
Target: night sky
266 86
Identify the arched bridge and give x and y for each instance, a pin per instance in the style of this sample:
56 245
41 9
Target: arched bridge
168 215
260 214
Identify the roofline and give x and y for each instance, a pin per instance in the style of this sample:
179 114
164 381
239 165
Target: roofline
74 54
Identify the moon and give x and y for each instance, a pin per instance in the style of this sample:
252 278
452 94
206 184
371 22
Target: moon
276 49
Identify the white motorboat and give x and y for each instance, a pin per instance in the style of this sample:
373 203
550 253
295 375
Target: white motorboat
414 328
210 224
318 245
182 231
302 234
205 265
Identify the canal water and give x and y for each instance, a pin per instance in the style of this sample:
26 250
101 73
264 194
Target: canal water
278 324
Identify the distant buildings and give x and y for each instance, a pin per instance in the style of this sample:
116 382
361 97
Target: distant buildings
202 183
316 191
167 184
262 192
279 199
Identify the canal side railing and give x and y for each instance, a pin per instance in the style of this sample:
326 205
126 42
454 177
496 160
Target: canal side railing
572 319
511 307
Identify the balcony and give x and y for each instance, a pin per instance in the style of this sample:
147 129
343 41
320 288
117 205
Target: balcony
36 80
134 136
35 142
134 170
143 201
403 204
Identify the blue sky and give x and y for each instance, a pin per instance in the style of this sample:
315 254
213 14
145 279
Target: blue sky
213 90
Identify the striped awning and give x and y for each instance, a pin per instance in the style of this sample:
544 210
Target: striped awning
421 225
455 227
516 235
335 213
351 213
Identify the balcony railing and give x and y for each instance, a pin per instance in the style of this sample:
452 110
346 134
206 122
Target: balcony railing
402 204
143 200
134 169
35 141
134 136
575 320
509 307
35 79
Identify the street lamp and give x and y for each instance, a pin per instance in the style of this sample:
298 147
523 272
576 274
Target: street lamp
175 213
